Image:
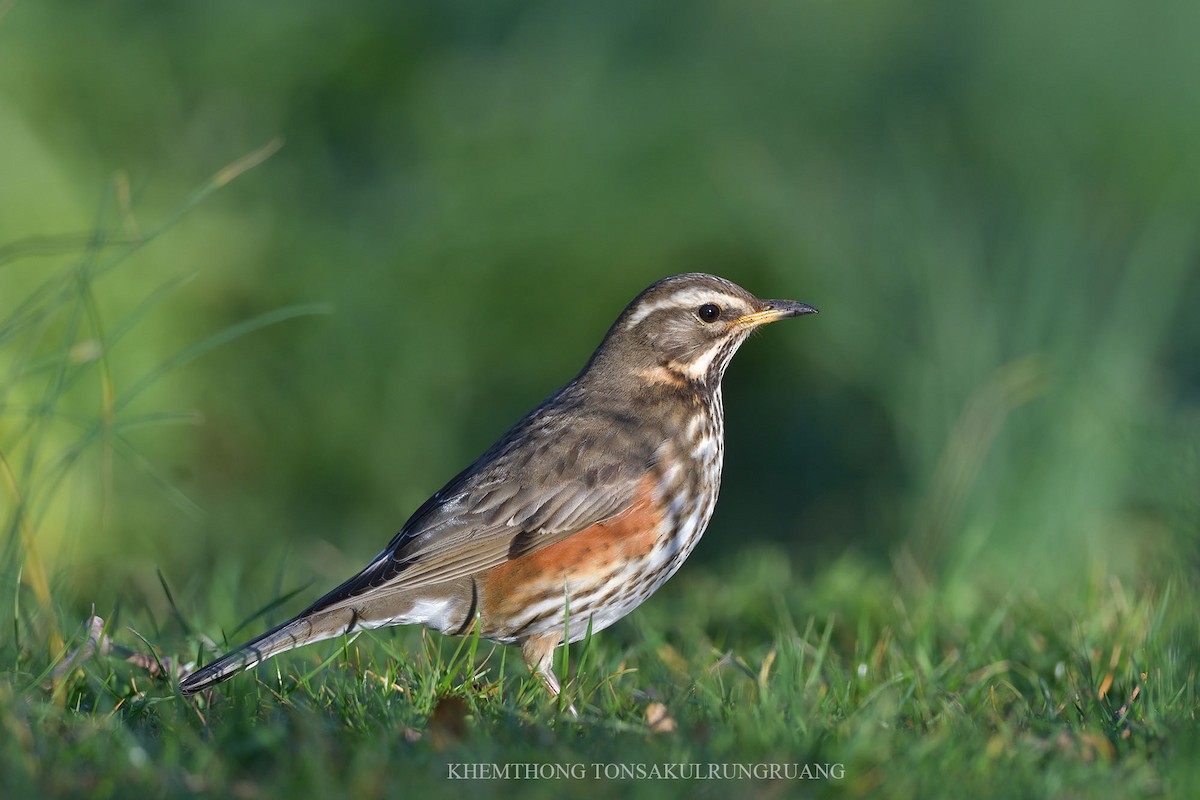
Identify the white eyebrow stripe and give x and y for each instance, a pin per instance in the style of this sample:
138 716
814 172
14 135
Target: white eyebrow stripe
683 297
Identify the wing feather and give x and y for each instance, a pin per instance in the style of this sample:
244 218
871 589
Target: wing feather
509 504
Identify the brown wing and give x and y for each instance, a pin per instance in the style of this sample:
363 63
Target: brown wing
554 474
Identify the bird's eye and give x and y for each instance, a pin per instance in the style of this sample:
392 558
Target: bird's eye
708 312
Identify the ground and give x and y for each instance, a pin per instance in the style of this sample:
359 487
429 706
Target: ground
849 680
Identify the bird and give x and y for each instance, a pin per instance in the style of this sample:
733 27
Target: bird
580 512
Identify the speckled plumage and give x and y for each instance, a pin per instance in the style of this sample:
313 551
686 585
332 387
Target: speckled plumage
579 512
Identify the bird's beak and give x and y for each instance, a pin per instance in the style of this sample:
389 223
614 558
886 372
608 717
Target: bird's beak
772 311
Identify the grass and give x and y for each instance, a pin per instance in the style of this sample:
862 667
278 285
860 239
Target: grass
1090 694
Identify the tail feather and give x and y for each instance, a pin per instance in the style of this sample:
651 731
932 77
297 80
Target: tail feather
305 629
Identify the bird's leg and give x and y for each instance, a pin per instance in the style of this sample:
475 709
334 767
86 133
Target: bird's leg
539 657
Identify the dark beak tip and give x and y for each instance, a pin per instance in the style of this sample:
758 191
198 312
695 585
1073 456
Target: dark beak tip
793 308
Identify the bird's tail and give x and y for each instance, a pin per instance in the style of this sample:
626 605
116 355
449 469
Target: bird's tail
305 629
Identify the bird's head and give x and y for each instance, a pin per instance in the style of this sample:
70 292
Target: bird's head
686 328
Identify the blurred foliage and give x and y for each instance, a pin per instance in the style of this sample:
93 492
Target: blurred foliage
993 205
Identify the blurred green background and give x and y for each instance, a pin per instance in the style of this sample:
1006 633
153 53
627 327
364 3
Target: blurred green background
993 205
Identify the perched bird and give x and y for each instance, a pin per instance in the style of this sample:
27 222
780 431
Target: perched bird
579 513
